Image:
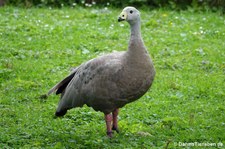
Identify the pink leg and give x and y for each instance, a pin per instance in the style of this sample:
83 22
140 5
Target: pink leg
108 121
115 120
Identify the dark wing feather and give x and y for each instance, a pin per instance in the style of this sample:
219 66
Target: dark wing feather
64 83
60 87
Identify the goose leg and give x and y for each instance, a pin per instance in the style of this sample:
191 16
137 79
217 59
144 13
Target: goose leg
115 120
108 121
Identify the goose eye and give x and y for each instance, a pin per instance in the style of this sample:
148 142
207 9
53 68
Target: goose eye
131 11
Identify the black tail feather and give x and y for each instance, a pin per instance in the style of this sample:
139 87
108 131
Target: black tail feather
60 113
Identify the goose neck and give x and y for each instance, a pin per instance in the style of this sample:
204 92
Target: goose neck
135 30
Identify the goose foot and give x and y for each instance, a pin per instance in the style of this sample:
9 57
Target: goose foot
108 121
116 129
111 121
115 120
109 134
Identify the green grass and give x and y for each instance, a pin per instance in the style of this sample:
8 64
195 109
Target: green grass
185 104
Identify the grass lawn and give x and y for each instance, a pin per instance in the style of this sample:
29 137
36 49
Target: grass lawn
186 103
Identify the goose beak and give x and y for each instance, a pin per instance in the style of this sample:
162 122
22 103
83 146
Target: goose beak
122 16
120 19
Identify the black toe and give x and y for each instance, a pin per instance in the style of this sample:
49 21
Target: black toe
109 134
116 129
